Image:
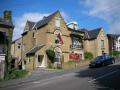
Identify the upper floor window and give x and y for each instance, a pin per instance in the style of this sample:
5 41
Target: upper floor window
75 41
2 50
23 47
57 22
33 35
102 43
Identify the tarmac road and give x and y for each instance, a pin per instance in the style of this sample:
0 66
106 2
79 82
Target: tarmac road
103 78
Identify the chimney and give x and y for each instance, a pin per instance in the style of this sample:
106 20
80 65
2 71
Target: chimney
8 15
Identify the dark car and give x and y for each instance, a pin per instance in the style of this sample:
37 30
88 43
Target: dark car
102 61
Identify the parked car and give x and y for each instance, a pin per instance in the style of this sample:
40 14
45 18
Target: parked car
102 61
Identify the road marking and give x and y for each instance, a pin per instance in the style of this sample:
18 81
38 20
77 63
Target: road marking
36 82
105 75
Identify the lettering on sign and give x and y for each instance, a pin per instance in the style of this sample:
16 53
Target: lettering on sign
74 56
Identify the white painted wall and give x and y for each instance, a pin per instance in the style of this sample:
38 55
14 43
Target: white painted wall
118 44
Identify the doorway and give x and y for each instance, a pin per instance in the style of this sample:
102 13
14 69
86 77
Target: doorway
40 59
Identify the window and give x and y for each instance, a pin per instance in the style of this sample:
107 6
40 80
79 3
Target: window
2 50
102 43
23 47
28 61
117 48
33 35
76 43
57 22
19 45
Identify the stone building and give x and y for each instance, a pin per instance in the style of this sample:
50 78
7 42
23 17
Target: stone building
50 33
113 42
16 51
96 42
6 30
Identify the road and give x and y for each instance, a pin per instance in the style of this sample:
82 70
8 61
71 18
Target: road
103 78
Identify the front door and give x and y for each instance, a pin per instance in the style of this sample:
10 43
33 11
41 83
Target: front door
57 57
40 58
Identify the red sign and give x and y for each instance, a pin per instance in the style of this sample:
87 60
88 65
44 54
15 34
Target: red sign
74 56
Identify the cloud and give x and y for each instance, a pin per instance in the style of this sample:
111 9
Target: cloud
21 21
65 16
109 10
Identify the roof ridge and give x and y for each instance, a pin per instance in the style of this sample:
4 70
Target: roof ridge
45 20
31 21
96 29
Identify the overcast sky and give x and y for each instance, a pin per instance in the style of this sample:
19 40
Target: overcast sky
89 14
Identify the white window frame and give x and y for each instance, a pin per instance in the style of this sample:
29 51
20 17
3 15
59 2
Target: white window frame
57 22
102 44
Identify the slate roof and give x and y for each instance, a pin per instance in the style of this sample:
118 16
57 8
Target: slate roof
45 20
30 24
5 23
40 23
91 34
113 35
78 30
34 49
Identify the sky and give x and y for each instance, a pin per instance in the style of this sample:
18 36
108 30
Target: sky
89 14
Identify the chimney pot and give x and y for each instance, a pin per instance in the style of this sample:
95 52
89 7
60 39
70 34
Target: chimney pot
7 15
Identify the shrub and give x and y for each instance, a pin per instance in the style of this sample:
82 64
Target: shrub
14 73
114 53
51 54
88 55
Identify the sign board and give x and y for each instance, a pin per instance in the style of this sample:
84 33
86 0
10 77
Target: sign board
74 56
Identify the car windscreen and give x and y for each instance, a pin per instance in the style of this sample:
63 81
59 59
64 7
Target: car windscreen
99 58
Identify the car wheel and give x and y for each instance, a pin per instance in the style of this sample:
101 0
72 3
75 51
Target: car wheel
103 64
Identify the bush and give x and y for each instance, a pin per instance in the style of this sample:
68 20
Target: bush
114 53
88 55
51 54
14 73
